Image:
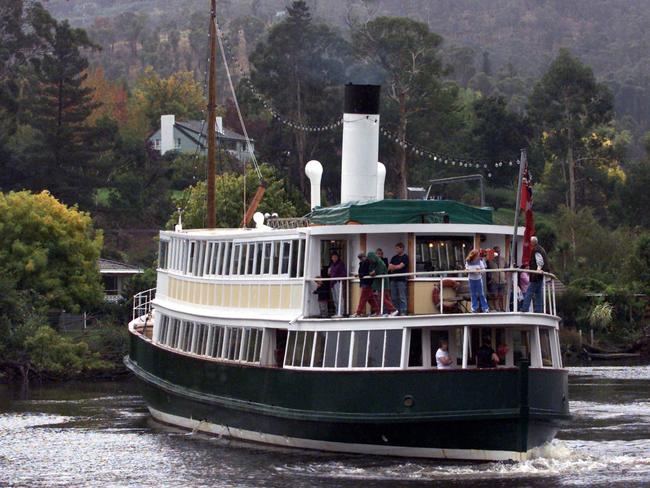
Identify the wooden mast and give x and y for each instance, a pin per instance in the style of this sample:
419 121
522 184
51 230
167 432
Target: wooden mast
212 118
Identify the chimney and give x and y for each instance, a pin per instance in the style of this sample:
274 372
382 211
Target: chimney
381 180
360 143
167 133
314 171
220 125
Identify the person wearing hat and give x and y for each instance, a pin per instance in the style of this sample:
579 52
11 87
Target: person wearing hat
365 282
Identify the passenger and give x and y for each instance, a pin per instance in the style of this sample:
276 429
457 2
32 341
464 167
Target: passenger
365 283
398 285
485 356
337 270
443 361
497 279
377 267
323 292
538 262
475 265
380 253
502 352
524 283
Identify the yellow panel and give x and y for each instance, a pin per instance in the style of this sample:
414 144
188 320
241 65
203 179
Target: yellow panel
423 291
264 296
296 292
216 294
255 296
285 296
276 297
244 296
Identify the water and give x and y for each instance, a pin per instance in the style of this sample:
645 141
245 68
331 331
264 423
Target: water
99 434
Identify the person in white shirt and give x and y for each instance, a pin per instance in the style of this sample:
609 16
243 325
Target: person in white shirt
443 361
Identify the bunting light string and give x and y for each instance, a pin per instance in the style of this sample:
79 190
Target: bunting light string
268 106
447 160
460 162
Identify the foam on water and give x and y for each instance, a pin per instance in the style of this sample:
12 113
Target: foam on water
613 372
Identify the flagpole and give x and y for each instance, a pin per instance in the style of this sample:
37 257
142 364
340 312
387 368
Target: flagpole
513 246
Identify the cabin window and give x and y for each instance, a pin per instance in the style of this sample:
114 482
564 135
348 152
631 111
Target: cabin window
161 331
375 348
319 349
267 258
393 349
441 253
275 258
360 349
286 256
370 349
225 260
163 252
545 344
520 345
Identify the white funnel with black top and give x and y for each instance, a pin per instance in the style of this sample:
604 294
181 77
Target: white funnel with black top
360 143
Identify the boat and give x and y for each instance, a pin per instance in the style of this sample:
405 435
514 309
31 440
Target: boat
232 342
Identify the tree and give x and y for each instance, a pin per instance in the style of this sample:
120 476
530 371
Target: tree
179 95
230 204
110 99
407 54
497 133
300 67
62 154
566 104
50 250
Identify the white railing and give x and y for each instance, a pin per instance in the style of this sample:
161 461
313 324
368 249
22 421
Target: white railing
142 304
509 301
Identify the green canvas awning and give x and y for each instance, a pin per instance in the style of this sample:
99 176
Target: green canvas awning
400 212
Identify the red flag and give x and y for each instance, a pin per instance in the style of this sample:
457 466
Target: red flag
527 207
528 233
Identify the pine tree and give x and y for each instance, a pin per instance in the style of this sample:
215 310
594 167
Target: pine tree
63 152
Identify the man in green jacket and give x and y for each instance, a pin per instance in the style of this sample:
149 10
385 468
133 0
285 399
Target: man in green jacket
378 268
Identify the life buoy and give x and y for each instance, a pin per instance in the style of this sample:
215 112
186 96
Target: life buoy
448 304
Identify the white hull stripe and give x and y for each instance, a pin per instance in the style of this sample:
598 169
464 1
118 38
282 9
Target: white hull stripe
295 442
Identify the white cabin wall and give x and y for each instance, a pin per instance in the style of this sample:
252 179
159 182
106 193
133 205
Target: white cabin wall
312 269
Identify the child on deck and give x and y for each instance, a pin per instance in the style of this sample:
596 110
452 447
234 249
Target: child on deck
323 292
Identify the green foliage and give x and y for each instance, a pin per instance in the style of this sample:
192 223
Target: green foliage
52 353
230 206
601 316
50 250
179 94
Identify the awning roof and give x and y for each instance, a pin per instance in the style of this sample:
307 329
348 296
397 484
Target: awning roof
401 212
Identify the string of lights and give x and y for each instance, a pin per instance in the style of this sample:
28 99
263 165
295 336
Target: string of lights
268 106
486 165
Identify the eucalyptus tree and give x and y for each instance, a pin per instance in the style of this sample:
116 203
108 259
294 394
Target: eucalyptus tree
407 55
567 104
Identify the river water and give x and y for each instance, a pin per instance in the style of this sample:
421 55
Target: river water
99 434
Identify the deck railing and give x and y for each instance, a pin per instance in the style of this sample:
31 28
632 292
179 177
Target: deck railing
507 303
142 304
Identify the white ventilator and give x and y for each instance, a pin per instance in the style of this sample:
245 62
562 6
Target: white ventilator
314 171
360 143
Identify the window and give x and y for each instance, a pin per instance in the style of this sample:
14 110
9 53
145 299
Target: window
545 344
331 349
178 143
163 252
441 253
360 349
156 143
161 331
225 260
267 255
111 286
286 256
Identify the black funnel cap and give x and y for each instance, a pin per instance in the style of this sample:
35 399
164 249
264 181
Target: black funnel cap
362 99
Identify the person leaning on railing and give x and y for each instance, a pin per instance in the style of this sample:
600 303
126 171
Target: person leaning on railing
476 267
538 262
337 270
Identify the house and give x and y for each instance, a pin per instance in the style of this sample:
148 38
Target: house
114 277
190 137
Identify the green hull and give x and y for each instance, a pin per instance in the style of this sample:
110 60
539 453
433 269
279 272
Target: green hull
490 414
